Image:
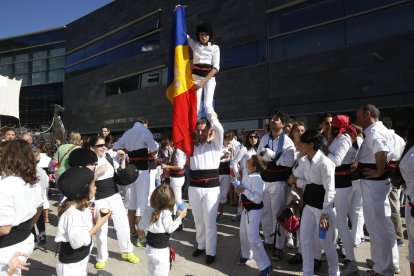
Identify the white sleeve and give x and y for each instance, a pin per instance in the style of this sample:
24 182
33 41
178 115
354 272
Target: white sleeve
339 149
239 155
216 58
328 179
218 138
288 156
191 42
150 142
169 224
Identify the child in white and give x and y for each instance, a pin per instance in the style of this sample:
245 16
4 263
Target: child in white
252 201
159 224
75 228
206 64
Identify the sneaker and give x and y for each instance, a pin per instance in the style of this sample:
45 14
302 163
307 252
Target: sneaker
372 272
349 267
243 261
198 252
142 243
277 254
266 271
134 234
130 257
340 243
100 265
341 253
397 270
236 217
400 242
296 259
42 239
290 244
210 259
220 218
359 244
370 263
316 265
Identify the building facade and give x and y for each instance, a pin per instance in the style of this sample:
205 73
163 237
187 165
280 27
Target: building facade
306 57
38 59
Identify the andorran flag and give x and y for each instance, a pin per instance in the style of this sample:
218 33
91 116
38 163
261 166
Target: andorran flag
180 90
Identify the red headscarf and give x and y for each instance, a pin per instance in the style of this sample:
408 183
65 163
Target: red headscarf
341 122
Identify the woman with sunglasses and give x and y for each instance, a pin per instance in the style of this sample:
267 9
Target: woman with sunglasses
107 197
251 142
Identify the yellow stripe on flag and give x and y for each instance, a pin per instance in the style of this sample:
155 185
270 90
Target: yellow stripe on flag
183 79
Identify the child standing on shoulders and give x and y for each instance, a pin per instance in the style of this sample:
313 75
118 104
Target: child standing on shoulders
159 224
75 229
252 202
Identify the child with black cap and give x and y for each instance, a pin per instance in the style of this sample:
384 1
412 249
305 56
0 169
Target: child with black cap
76 228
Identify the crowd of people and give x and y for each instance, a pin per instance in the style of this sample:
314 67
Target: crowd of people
331 177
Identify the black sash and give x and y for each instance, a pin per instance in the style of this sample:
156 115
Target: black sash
250 205
343 176
224 168
202 69
314 195
105 188
68 255
17 234
205 178
139 158
362 166
159 240
177 174
274 172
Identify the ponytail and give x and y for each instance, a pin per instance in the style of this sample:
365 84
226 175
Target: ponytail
155 216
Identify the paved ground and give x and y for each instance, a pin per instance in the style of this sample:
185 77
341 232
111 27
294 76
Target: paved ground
228 251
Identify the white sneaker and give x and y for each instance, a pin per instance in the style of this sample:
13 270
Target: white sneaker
349 267
289 243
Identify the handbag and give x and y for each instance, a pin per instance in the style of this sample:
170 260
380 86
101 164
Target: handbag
289 220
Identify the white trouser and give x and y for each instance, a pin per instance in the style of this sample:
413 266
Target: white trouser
46 203
73 269
356 212
177 184
204 205
316 245
25 246
409 221
145 187
309 225
120 219
208 89
341 201
377 214
158 261
130 196
274 202
250 241
225 181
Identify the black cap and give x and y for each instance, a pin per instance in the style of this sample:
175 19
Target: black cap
74 183
205 28
82 157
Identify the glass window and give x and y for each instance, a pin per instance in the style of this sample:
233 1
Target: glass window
151 79
57 51
117 38
21 68
252 53
355 6
381 24
38 78
74 70
56 62
56 76
95 48
39 54
7 59
145 26
307 42
118 54
95 62
22 57
305 15
25 79
164 75
75 57
6 69
39 65
126 85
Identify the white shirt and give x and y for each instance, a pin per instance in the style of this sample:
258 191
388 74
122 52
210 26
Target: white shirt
398 146
241 158
74 226
377 138
46 162
165 223
138 137
110 171
288 155
407 172
339 148
207 156
209 54
321 171
180 158
43 180
254 187
18 200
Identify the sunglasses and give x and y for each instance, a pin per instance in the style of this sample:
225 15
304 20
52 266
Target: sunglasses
100 146
253 136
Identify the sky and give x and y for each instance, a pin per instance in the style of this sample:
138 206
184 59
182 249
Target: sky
27 16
